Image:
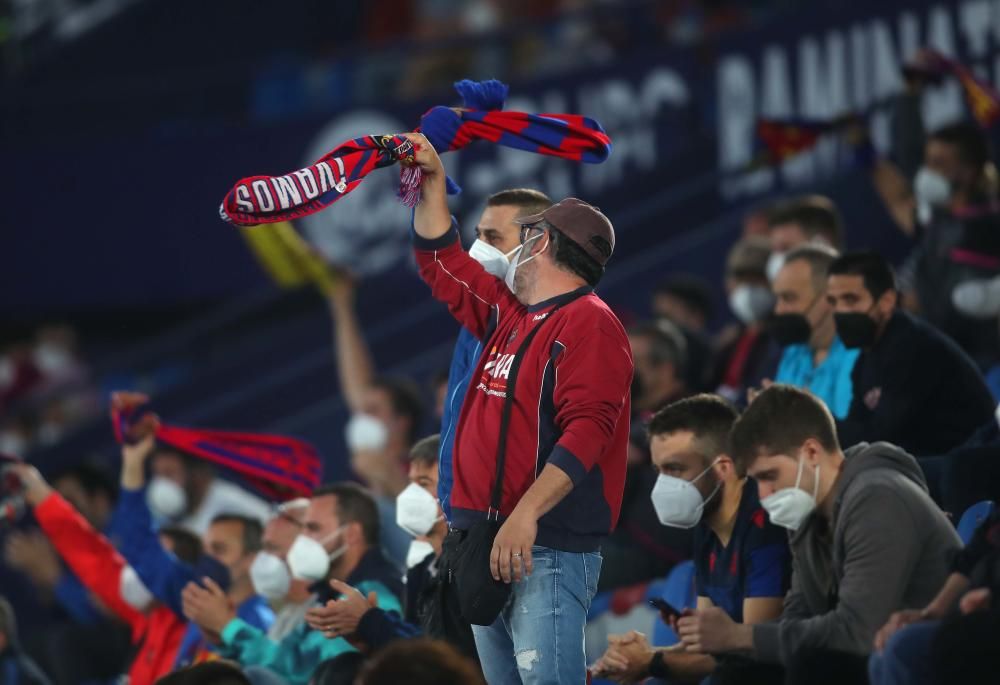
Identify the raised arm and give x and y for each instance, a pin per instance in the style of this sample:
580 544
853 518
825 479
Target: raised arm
160 571
431 218
88 553
355 368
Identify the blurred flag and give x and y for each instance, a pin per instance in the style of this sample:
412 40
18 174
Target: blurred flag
982 98
780 139
278 466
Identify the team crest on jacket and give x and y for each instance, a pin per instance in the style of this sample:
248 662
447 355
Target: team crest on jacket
513 336
872 397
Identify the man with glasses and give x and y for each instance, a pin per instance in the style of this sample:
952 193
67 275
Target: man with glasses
567 435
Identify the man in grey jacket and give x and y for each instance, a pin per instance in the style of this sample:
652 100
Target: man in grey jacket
866 540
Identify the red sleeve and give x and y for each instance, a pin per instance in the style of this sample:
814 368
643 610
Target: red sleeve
593 378
88 553
458 280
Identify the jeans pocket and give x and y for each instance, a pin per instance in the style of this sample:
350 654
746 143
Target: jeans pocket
592 562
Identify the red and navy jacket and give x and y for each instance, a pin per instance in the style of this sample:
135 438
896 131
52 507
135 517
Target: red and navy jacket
571 404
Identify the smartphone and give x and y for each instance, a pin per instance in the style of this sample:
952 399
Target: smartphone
666 609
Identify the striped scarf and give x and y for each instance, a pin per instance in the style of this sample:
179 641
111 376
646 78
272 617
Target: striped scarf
269 199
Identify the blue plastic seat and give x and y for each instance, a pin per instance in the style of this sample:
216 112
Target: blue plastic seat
677 589
972 517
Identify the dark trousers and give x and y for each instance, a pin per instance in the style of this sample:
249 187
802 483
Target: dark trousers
818 666
967 648
738 670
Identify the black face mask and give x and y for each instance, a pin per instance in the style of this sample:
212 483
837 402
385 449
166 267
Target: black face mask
790 329
856 329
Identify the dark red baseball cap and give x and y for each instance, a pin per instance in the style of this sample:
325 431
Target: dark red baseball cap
582 223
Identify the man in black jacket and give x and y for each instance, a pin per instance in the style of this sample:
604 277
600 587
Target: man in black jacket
913 386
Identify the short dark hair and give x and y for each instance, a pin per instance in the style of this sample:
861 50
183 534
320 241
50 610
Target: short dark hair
93 479
252 530
570 257
874 269
815 214
425 451
528 200
669 345
819 258
8 622
340 670
206 673
354 505
692 290
187 546
708 417
420 662
404 395
747 259
778 421
971 141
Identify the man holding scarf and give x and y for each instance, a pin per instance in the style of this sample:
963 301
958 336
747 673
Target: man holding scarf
568 426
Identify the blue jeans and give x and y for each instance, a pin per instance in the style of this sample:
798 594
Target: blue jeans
538 637
906 657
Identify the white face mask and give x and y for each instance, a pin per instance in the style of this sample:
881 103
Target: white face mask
166 498
419 550
132 590
416 510
751 303
493 260
270 576
678 502
775 261
789 507
516 260
932 190
366 433
308 558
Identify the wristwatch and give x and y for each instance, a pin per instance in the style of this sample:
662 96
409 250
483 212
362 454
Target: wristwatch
658 667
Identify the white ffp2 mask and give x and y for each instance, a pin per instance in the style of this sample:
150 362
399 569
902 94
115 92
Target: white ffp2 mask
270 576
416 510
308 558
166 498
516 260
789 507
678 502
493 260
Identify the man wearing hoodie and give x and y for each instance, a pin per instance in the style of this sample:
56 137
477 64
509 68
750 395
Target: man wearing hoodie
867 540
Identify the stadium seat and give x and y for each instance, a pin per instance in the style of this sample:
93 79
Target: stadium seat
677 589
971 519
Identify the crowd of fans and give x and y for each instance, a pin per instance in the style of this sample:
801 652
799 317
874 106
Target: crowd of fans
811 459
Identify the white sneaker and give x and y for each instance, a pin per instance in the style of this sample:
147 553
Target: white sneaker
979 298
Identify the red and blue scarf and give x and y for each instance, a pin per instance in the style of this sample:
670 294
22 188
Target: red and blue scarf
269 199
280 467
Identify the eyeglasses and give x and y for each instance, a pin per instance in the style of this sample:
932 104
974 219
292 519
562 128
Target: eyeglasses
527 228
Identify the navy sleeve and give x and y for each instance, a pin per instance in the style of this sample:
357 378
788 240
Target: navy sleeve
378 628
164 574
767 559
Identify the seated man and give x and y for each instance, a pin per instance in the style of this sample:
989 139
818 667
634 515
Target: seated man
813 356
867 540
339 542
289 597
430 609
231 543
913 386
741 559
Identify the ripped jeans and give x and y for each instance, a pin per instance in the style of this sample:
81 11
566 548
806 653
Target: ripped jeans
538 637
